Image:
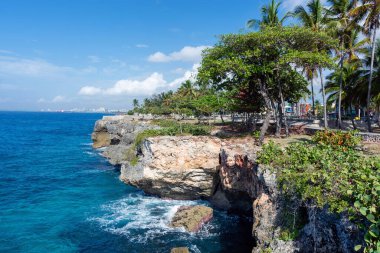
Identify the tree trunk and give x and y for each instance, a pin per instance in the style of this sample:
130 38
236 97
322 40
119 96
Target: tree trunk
324 100
340 90
312 96
352 117
221 116
278 120
264 128
283 113
370 78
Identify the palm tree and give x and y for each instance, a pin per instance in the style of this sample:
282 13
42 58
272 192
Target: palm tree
370 11
341 25
187 90
314 17
346 83
269 16
135 103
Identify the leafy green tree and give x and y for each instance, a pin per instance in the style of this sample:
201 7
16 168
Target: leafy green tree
256 61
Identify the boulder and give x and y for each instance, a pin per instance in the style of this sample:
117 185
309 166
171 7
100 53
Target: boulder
177 167
180 250
191 218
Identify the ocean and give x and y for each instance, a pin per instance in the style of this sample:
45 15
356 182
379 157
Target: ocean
57 194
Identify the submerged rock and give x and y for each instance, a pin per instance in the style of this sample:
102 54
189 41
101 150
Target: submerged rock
180 250
177 167
192 217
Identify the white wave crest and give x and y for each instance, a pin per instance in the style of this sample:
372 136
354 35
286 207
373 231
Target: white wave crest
143 219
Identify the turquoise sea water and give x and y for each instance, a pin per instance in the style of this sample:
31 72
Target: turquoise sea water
58 195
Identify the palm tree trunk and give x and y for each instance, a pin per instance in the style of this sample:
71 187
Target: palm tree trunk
340 90
370 78
312 96
324 99
352 117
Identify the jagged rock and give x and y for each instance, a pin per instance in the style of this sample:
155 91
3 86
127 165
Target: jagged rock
180 250
238 181
192 217
116 154
181 167
117 133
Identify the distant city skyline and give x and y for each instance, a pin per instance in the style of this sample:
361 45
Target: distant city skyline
61 55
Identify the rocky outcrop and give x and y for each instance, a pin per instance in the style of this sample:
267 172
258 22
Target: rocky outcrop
181 167
238 181
192 218
116 134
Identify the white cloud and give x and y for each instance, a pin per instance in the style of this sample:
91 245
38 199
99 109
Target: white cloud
142 46
188 53
27 67
153 83
146 86
5 51
89 91
188 75
94 58
58 99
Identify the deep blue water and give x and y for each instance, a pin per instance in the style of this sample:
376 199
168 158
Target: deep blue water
58 195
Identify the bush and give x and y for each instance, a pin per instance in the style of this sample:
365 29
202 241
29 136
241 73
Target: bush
340 178
337 139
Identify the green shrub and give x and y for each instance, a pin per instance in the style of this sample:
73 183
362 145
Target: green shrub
337 139
341 178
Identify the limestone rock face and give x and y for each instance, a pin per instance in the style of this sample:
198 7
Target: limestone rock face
238 180
192 217
180 167
116 134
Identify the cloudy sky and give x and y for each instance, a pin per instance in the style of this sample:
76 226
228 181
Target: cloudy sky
64 54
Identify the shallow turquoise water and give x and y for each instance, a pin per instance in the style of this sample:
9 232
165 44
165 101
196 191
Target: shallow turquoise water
58 195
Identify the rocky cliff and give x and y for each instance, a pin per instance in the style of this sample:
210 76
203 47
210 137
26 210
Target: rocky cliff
225 172
116 134
183 167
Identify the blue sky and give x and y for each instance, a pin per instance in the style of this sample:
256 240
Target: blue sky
64 54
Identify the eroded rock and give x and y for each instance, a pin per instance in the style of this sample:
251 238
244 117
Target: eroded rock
238 178
191 218
116 134
177 167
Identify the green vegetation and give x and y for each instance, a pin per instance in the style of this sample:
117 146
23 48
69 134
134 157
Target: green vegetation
331 173
258 72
